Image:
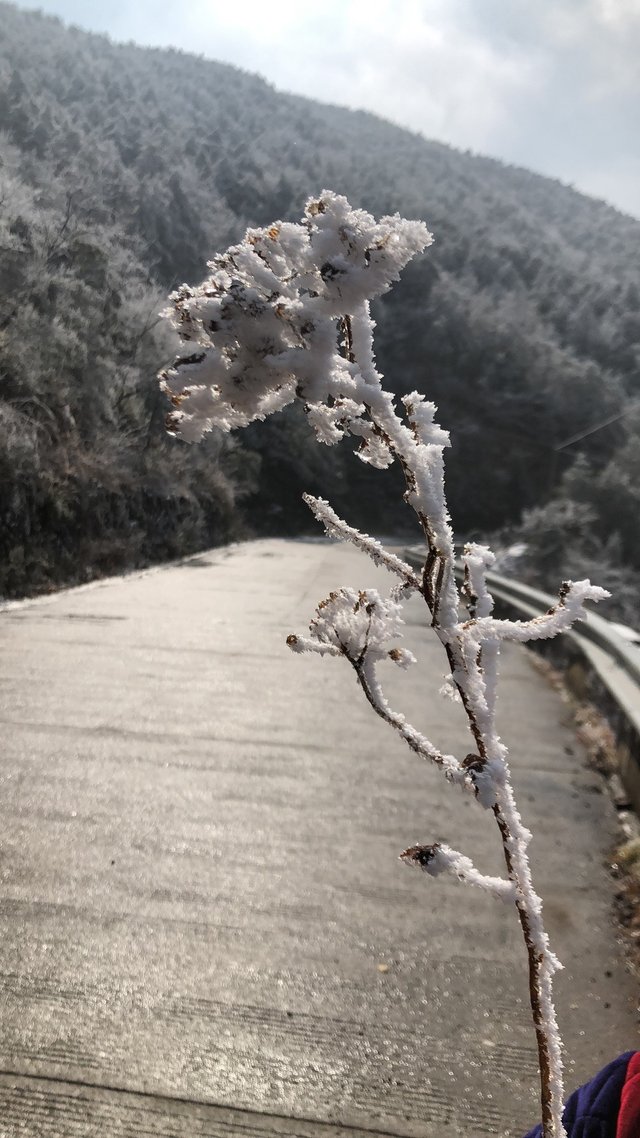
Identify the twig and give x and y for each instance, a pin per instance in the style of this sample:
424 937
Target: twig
336 527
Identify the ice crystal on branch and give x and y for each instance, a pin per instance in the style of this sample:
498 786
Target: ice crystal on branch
284 315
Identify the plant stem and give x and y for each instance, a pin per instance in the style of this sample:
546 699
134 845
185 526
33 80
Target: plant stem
536 960
513 842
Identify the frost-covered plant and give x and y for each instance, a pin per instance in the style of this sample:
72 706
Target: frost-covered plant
285 316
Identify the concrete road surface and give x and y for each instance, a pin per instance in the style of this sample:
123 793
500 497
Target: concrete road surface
205 928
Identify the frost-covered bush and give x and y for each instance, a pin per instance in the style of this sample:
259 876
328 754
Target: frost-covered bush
565 534
284 316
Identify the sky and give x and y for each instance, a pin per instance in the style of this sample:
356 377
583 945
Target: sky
553 85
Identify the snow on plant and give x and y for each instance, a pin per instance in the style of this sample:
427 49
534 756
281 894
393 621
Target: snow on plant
284 316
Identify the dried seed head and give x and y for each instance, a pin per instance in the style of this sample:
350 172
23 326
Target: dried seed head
420 855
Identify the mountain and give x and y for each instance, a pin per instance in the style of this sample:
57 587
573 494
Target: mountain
123 169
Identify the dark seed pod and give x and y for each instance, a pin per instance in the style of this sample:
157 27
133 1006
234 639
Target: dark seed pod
474 763
420 855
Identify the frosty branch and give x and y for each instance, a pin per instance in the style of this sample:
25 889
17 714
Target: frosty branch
284 316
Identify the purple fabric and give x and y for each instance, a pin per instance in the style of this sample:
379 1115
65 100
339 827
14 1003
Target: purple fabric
592 1110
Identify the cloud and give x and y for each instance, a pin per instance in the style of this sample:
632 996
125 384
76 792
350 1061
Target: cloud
576 117
553 85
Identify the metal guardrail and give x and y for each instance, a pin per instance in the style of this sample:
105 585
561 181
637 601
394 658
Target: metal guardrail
600 665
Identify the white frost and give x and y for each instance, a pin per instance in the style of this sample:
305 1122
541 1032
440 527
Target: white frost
439 858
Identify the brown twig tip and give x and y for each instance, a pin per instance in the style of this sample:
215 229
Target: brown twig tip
292 640
564 591
420 855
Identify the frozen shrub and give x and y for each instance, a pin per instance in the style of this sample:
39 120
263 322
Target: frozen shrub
285 316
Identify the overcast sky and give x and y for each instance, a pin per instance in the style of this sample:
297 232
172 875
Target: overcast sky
549 84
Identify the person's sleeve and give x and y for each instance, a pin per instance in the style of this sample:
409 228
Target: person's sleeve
629 1113
592 1110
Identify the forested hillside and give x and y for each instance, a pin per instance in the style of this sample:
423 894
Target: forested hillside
123 169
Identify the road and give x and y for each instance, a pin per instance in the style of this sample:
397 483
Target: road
205 928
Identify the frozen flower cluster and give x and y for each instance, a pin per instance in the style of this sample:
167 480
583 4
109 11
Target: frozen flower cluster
358 625
270 324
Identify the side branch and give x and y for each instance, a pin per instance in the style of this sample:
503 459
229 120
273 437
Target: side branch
339 529
477 559
438 858
559 618
367 679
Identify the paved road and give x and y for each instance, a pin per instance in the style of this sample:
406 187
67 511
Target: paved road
205 930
